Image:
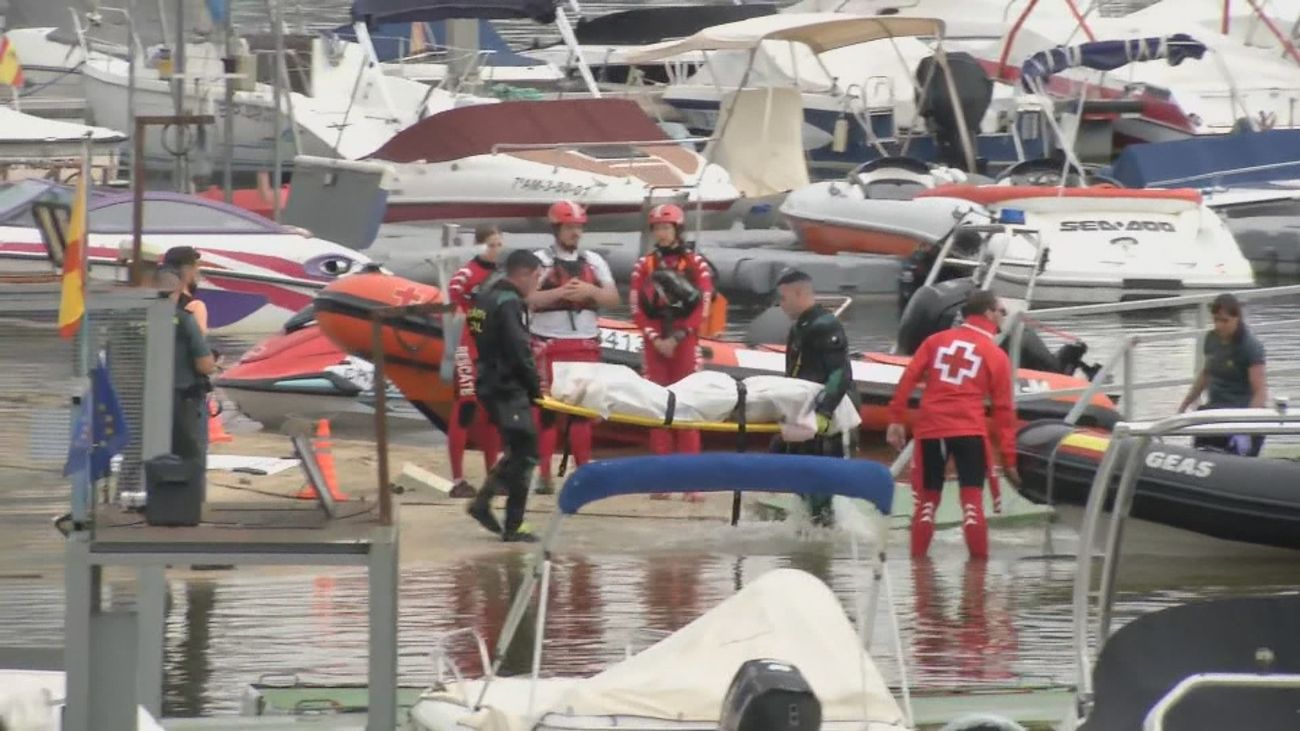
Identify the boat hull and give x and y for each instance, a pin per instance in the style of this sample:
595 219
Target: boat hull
1244 499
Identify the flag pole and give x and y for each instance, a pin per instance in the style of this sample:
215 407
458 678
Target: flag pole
84 485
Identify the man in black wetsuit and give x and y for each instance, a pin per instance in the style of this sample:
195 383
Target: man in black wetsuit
507 383
816 350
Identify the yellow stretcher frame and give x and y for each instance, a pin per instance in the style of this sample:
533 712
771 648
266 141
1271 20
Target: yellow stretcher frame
724 427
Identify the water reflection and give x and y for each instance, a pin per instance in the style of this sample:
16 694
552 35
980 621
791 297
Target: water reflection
977 642
188 665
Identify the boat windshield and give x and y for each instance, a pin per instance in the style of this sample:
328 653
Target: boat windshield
16 199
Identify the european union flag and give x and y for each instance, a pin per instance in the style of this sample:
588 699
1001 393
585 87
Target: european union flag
110 430
81 444
99 430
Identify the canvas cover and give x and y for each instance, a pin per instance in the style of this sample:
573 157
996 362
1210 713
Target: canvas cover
707 396
785 615
770 120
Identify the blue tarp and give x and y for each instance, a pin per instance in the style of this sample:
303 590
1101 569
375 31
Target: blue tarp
1107 55
429 11
1211 160
392 42
802 475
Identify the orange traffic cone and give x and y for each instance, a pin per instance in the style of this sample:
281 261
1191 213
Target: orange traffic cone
324 448
217 433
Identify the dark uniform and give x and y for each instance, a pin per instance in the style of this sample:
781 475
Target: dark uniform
507 383
190 392
817 350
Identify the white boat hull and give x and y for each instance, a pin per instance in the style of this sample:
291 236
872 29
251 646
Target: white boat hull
247 289
331 122
515 193
834 217
1110 249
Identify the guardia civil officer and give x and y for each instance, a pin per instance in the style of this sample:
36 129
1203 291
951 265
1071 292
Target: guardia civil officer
816 350
507 383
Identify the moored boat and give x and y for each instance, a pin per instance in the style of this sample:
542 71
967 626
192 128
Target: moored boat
1246 499
507 163
256 273
414 350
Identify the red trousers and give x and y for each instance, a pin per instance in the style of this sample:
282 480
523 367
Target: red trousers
547 352
684 361
468 417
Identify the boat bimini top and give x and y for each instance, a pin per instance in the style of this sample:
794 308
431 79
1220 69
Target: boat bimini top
821 32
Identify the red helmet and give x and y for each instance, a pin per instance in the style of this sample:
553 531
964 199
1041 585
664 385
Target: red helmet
566 212
667 213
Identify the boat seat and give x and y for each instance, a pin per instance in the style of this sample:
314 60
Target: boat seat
1150 655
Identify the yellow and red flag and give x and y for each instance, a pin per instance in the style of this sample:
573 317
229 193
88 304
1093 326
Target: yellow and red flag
11 72
72 303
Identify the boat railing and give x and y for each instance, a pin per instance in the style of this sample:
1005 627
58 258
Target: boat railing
443 662
1130 440
1155 718
1213 177
522 146
1123 359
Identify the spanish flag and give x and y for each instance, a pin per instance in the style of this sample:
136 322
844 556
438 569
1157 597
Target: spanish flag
72 305
11 72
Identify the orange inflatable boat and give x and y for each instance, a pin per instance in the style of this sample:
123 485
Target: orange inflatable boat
413 350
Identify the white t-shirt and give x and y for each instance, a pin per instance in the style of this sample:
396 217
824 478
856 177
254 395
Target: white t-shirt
570 324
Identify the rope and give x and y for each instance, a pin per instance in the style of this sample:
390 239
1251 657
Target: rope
30 90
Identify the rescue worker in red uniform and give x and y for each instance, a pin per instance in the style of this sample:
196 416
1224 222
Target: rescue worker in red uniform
961 368
670 291
565 323
469 417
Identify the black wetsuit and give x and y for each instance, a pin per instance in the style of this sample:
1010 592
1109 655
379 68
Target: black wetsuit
818 350
506 383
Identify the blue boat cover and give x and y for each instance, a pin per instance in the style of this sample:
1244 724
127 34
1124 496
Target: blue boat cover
798 474
1107 55
398 11
392 42
1211 160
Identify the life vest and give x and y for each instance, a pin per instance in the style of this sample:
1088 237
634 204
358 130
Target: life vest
560 272
668 293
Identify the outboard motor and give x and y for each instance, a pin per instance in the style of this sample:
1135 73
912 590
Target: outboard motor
974 94
938 307
770 695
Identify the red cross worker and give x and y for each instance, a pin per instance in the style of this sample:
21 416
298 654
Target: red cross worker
961 369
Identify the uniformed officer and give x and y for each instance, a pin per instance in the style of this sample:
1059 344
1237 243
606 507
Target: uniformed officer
507 383
816 350
194 363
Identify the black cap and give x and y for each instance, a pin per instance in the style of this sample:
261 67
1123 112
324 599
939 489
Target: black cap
179 256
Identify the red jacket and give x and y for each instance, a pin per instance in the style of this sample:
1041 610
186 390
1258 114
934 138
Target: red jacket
464 284
961 368
690 265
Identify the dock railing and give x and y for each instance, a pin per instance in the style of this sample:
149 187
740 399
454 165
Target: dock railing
1123 359
1092 602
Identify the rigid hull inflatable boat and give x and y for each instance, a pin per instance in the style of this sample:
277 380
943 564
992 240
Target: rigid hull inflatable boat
414 348
1247 499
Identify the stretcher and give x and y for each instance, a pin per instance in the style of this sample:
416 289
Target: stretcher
725 427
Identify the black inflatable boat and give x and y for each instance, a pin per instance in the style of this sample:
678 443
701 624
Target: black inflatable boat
1248 499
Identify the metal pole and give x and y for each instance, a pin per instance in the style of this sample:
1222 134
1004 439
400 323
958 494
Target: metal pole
381 419
137 201
277 163
228 122
178 93
1127 406
133 48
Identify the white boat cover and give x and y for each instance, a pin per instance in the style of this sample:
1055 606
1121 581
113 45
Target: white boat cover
768 119
708 396
785 615
24 136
